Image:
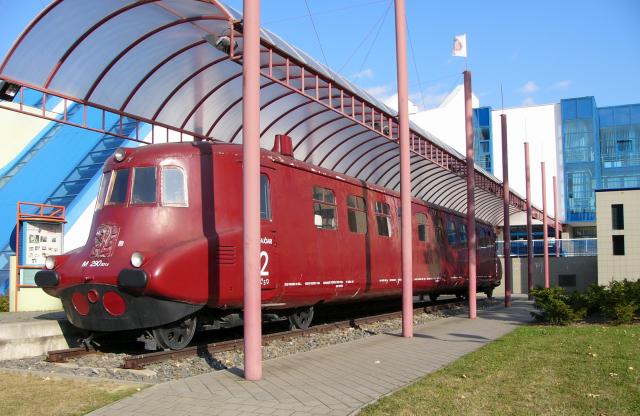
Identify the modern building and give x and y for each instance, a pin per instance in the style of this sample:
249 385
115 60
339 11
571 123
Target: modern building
618 222
588 148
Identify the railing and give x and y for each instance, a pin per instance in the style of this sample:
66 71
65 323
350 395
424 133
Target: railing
574 247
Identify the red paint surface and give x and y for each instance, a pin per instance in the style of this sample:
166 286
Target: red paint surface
194 254
113 303
80 303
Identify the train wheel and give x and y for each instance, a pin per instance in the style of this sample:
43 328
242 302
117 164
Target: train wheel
177 335
301 318
433 296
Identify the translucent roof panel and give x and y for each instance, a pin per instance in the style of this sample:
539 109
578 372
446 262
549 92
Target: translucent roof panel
157 61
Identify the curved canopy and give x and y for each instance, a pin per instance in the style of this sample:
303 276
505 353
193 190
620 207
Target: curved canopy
170 63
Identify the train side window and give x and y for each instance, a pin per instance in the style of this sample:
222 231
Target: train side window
452 237
423 227
324 208
265 198
144 185
463 233
174 190
118 188
383 219
106 178
439 231
357 214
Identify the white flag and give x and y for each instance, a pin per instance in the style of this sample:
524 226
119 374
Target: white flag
460 45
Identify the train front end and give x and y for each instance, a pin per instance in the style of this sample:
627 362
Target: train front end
144 265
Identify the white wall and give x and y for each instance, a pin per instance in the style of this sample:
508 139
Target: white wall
447 122
541 126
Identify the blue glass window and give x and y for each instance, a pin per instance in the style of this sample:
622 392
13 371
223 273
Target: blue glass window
621 115
569 111
585 108
606 117
634 114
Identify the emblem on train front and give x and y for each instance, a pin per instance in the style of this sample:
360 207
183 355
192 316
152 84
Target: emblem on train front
105 241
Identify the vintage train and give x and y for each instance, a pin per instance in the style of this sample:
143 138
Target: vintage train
165 249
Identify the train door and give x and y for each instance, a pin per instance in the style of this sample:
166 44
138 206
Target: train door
270 260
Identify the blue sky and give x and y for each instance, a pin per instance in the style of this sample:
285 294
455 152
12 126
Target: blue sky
538 51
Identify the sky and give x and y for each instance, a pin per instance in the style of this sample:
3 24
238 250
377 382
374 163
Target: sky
536 52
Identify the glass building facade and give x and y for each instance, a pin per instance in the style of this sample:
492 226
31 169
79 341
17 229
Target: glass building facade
482 138
600 150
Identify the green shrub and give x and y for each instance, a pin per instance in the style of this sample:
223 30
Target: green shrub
596 297
620 303
553 304
4 303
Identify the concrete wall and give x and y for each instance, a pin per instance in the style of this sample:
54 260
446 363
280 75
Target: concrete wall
585 269
618 267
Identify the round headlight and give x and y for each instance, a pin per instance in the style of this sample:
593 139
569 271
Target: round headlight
137 259
50 262
119 154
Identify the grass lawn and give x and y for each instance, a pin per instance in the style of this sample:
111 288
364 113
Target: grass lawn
34 396
535 370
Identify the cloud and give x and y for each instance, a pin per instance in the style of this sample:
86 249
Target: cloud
560 85
529 87
381 92
528 101
364 74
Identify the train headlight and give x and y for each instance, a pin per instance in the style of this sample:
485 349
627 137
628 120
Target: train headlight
119 154
50 262
137 259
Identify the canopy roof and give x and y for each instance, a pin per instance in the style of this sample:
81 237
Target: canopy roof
156 61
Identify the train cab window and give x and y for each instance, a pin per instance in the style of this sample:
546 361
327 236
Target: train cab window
383 219
174 190
324 208
118 187
463 233
356 214
452 237
423 227
265 198
104 185
144 185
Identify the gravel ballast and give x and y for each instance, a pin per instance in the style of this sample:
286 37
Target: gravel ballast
106 365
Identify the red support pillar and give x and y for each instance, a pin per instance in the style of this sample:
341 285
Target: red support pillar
506 226
545 226
471 207
527 173
251 190
556 224
405 172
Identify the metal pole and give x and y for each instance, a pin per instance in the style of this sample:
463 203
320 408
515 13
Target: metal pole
471 207
251 190
527 173
556 224
545 226
405 173
506 228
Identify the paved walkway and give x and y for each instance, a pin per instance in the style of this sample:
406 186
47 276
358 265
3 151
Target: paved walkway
335 380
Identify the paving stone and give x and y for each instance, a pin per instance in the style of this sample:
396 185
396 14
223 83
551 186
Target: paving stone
333 380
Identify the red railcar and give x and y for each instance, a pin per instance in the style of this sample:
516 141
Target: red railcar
165 247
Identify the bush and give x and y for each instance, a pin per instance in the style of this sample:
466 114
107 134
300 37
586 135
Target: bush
621 301
4 303
554 306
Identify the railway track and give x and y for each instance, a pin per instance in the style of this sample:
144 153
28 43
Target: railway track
138 362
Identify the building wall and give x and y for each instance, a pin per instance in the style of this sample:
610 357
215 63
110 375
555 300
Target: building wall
618 267
583 268
540 126
17 131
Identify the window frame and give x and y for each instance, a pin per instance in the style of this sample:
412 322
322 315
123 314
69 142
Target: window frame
617 217
451 228
462 226
102 192
322 202
380 213
185 187
425 224
617 242
269 210
357 210
133 182
112 181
